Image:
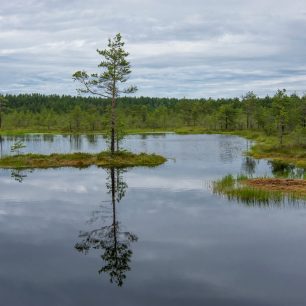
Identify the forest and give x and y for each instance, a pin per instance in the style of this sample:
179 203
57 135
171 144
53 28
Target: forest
280 115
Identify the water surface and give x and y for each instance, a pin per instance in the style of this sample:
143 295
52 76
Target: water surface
146 236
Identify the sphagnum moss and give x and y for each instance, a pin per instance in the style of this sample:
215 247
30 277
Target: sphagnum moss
103 159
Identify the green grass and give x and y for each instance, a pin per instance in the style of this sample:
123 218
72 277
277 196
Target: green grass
103 159
236 189
288 153
178 130
14 132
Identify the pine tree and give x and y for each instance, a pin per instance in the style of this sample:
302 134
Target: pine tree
107 84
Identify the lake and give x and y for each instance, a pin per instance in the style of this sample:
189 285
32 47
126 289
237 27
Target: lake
146 236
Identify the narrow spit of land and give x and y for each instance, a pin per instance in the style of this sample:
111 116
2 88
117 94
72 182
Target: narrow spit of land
260 190
103 159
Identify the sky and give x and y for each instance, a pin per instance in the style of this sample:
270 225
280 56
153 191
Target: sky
192 49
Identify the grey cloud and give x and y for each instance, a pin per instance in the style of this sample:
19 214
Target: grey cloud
178 48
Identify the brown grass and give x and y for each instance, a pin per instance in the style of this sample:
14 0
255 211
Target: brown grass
278 184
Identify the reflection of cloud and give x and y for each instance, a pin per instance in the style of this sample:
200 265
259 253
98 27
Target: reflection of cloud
202 48
159 182
46 184
67 188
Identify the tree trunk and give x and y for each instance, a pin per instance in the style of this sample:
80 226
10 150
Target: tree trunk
114 190
117 142
113 120
282 129
113 128
248 121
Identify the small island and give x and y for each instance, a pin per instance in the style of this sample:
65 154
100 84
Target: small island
103 159
260 190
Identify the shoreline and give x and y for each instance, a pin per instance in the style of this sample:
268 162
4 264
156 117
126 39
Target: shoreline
264 147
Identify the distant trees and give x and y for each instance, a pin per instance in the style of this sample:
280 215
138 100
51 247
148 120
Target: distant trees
302 112
227 115
76 117
3 106
249 107
107 84
281 115
93 120
280 107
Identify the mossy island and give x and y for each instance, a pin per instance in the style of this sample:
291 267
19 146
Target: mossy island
103 159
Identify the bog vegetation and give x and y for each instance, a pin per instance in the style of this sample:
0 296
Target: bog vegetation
279 116
80 160
260 191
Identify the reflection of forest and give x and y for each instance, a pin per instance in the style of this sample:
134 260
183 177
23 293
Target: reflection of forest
282 169
108 237
228 149
1 146
75 142
249 165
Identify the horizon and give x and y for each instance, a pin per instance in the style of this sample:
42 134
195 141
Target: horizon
154 97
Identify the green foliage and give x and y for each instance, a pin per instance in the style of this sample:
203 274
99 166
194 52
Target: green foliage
227 115
3 107
281 116
17 147
280 109
107 84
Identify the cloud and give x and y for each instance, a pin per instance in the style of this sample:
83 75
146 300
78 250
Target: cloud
178 48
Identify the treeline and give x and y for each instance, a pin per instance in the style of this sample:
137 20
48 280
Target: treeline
279 115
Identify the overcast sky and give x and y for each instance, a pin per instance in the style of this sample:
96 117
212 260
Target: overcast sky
194 48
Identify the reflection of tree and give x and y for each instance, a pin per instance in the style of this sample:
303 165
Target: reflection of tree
114 243
75 142
249 165
229 149
1 146
92 138
281 169
48 138
19 175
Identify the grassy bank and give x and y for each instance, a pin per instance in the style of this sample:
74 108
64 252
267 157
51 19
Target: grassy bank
103 159
290 154
260 190
180 130
81 132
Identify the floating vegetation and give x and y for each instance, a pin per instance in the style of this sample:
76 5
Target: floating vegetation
103 159
261 191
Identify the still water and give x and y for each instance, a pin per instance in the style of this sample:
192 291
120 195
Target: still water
146 236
